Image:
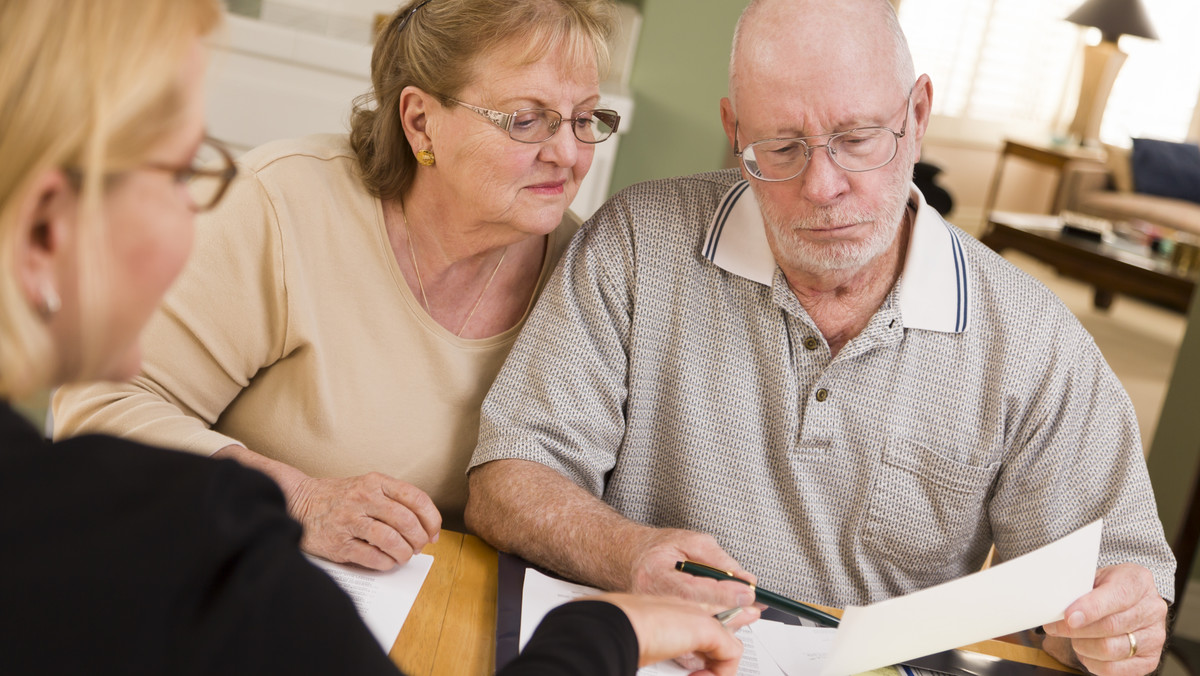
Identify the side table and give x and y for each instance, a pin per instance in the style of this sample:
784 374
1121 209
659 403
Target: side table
1045 155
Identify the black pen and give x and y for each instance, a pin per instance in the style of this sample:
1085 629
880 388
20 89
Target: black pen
769 599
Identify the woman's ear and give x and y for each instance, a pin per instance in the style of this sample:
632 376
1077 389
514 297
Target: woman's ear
415 107
46 220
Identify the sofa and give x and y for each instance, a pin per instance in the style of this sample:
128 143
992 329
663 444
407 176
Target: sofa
1157 182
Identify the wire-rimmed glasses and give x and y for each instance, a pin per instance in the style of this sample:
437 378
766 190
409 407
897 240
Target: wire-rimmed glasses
534 125
861 149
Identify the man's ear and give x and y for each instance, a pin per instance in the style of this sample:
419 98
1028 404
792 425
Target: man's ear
922 100
46 218
729 121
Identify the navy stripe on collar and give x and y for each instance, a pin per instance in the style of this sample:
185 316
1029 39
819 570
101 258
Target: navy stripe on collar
727 202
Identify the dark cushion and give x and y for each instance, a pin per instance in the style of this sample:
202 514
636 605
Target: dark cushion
1166 169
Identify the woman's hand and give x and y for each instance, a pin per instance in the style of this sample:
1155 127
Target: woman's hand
668 628
374 520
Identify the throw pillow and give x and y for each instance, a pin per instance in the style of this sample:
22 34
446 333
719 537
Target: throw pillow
1166 169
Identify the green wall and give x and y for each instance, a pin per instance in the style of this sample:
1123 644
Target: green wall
1175 453
679 75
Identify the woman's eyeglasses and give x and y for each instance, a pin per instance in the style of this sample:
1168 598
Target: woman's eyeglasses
207 176
534 125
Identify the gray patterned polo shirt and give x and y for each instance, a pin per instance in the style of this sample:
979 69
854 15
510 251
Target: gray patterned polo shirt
669 370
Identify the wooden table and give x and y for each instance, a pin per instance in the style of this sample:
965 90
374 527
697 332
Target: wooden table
1055 157
452 626
1109 268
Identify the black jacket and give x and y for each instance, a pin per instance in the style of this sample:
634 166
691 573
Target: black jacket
121 558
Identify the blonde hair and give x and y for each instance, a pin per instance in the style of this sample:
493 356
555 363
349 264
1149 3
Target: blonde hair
86 86
437 48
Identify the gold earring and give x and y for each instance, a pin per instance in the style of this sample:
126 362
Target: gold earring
425 158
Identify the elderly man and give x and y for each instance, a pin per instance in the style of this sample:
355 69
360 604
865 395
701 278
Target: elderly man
804 371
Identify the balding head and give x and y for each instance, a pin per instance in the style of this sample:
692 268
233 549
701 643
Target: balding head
804 69
821 42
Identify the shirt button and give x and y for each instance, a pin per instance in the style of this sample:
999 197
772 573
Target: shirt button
811 343
822 394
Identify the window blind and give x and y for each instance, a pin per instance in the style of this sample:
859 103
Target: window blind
1010 61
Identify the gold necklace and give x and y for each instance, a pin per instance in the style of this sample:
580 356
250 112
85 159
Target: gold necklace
412 255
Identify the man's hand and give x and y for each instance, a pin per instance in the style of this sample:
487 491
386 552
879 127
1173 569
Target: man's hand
653 569
373 520
670 628
1117 629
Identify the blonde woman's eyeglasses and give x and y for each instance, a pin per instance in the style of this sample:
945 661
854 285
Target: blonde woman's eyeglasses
206 177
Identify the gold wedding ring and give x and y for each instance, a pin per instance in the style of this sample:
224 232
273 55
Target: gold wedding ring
1132 645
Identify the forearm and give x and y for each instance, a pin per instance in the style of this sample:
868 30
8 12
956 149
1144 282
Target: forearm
533 511
289 479
137 410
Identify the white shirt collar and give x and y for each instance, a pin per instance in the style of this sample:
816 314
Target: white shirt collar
933 286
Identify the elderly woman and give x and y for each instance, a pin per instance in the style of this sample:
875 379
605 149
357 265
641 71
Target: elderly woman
121 558
353 298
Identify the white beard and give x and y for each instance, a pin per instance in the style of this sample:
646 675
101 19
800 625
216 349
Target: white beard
800 253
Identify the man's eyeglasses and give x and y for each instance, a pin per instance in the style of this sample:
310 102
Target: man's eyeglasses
534 125
862 149
208 175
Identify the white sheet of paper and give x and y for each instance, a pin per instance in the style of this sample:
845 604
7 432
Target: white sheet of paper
795 650
383 600
1028 591
542 593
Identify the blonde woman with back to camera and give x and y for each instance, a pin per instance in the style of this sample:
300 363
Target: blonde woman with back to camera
120 558
124 558
353 298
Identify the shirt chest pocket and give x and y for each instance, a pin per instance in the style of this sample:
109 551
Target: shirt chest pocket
926 508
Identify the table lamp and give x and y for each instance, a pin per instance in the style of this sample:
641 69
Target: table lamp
1102 62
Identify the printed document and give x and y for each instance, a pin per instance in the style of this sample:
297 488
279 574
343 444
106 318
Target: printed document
383 600
1028 591
543 593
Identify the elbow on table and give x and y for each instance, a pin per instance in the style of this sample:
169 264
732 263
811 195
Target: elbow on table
479 512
